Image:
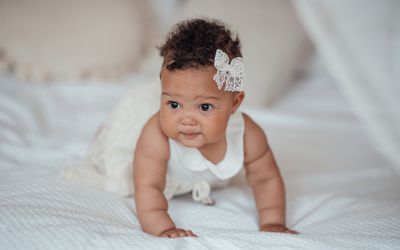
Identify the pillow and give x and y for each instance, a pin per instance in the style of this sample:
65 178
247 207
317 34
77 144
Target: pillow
108 160
62 40
274 44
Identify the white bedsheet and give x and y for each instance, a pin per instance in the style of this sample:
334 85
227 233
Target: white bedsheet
341 193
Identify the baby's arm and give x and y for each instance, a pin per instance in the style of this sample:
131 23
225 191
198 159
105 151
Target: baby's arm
265 179
150 168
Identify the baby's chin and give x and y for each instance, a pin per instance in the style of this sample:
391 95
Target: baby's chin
191 142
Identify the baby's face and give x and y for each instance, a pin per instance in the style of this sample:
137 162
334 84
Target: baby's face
193 110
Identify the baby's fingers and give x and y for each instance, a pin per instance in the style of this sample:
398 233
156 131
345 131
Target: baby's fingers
190 233
176 233
277 228
289 231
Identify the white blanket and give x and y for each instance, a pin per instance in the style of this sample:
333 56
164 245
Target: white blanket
340 192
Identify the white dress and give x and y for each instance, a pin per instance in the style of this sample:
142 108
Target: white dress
189 171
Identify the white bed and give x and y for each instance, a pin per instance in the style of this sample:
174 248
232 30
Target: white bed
341 194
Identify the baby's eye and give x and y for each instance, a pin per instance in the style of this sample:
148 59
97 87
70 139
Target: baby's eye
206 107
173 105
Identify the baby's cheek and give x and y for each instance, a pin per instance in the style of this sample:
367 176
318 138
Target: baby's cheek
172 131
215 131
168 127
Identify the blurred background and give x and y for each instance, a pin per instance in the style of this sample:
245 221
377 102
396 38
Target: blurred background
356 43
45 41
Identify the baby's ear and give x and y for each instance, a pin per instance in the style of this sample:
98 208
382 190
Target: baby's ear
237 100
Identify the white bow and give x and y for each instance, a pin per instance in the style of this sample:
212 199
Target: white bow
201 192
231 74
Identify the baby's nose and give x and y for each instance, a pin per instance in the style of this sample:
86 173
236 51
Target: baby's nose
189 120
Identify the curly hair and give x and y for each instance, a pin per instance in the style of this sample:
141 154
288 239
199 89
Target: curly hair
193 43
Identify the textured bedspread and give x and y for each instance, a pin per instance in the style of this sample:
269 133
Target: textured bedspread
341 194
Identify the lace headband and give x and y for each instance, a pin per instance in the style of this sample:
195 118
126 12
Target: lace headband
231 74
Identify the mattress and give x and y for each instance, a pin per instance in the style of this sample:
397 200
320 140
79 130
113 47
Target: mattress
341 194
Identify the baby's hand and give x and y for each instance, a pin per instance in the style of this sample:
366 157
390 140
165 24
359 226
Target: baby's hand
177 232
276 228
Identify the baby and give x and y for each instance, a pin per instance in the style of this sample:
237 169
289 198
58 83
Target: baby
199 139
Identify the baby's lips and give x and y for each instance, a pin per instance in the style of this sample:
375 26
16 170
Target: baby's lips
189 132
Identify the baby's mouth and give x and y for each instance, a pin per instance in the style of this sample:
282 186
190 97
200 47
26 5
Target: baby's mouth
190 136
